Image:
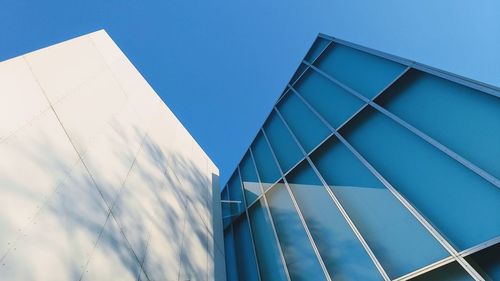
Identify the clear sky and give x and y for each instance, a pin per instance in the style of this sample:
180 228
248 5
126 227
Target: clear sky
220 65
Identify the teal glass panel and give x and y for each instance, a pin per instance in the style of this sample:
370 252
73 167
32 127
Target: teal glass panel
365 73
465 120
487 262
299 255
268 255
236 194
308 129
300 70
388 227
332 102
230 255
226 208
245 256
318 46
249 177
450 272
266 166
462 205
284 146
343 255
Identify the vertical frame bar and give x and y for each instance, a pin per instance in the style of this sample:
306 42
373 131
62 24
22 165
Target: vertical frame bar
266 208
299 213
401 199
337 202
485 175
248 221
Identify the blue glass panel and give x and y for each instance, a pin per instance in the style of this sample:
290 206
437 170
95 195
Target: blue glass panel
230 255
266 166
344 256
299 255
462 205
308 129
250 180
487 262
226 208
365 73
282 143
236 194
449 272
245 257
465 120
332 102
318 46
268 256
388 227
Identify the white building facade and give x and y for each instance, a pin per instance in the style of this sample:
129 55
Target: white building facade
98 179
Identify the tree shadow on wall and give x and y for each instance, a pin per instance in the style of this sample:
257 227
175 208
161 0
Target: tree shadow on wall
142 212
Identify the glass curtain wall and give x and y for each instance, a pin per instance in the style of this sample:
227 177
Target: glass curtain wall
369 167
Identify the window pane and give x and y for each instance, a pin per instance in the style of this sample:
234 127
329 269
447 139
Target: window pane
226 208
462 205
235 194
449 272
245 257
332 102
250 180
282 143
308 129
266 166
230 255
341 250
388 227
316 49
299 255
268 256
465 120
487 262
365 73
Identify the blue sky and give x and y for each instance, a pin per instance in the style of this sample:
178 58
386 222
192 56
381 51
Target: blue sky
220 65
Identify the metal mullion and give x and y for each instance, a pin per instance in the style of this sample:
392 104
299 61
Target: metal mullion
226 189
337 203
296 164
303 158
403 201
485 175
231 232
277 181
426 269
267 210
290 87
479 247
299 213
307 67
262 194
248 219
471 83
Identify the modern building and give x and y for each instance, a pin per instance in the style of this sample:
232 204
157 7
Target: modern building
369 167
98 179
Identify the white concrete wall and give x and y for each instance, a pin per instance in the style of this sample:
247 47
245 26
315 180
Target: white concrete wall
98 179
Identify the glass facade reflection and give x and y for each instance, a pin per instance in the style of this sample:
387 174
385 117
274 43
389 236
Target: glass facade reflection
369 167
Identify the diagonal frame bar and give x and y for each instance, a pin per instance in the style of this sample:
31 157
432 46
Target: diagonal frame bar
337 202
248 221
299 213
414 130
268 212
402 200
